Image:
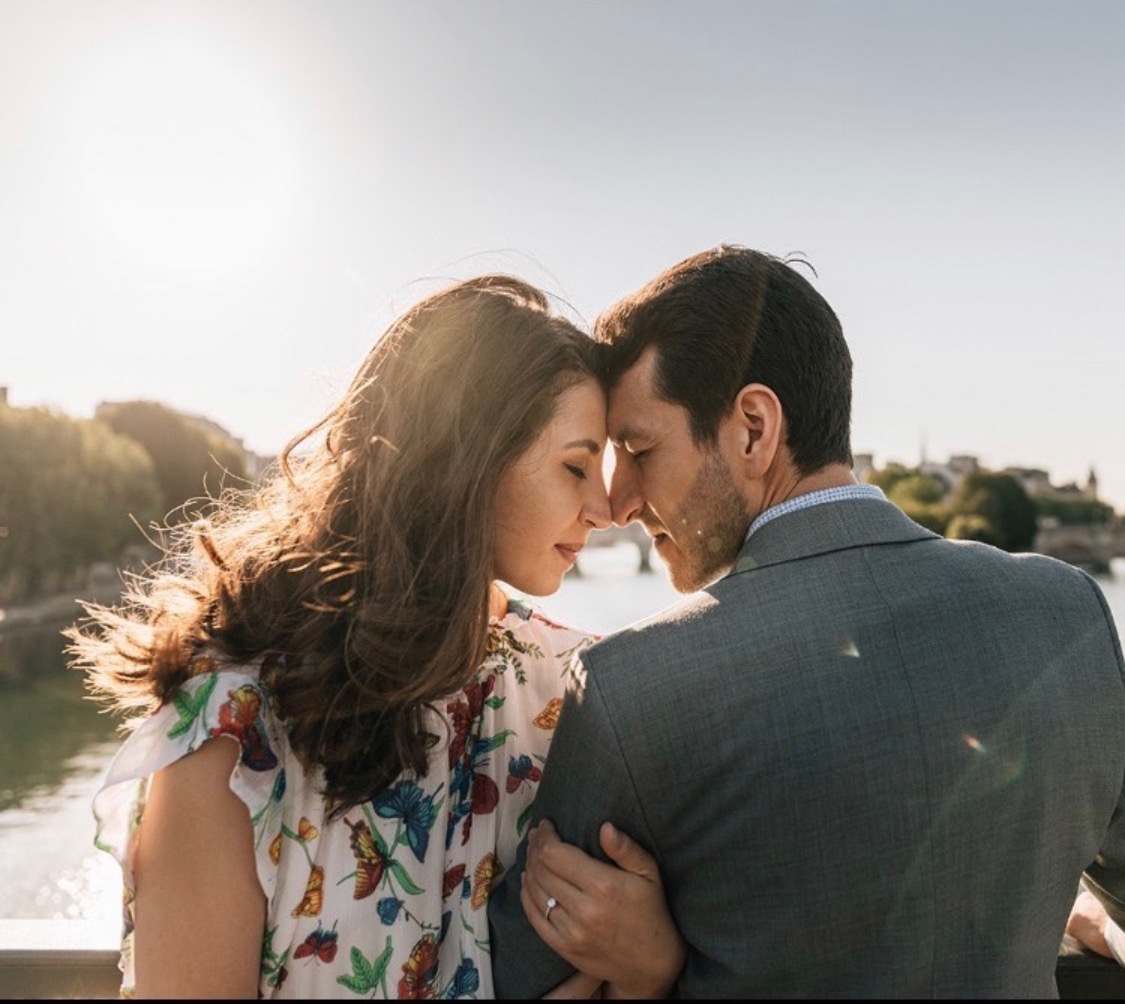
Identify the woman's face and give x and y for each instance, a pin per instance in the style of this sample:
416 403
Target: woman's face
553 495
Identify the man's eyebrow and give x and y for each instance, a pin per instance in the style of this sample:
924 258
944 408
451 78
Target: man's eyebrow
627 435
594 448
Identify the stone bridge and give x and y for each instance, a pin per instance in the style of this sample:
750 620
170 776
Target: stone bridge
1091 547
633 534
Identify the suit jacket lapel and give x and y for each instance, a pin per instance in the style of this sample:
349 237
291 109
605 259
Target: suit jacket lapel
822 529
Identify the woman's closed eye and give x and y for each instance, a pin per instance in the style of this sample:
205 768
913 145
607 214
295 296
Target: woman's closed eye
577 471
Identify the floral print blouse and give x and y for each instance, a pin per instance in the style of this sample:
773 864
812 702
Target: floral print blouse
389 899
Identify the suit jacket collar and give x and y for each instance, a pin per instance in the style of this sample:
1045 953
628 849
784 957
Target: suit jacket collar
822 529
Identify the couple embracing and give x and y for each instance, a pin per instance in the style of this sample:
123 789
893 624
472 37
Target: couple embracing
863 761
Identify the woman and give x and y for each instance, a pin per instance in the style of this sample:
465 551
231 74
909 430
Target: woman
391 707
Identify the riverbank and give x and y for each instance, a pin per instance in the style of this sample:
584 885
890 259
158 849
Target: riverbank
101 587
29 642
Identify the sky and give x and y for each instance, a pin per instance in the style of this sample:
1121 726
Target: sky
220 204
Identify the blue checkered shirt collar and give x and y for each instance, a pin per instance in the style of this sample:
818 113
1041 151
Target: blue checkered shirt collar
844 493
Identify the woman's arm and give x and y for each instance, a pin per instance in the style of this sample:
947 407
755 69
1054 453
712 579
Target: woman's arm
200 911
609 921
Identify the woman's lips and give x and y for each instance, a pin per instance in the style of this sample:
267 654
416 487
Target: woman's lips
569 551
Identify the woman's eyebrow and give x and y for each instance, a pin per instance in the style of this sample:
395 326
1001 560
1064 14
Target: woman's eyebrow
594 448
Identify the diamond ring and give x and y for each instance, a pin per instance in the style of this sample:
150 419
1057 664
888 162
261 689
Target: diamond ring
551 904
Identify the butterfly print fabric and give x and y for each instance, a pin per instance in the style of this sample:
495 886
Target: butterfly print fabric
390 898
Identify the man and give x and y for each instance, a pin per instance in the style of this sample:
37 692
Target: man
869 761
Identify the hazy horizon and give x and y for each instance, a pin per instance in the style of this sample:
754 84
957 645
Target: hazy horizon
220 205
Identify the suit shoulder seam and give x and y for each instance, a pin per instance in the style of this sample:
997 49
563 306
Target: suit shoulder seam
1107 617
592 680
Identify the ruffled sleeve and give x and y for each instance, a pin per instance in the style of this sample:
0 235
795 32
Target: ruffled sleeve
213 704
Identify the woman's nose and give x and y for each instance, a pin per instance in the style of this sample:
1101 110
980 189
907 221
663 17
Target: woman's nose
625 498
597 511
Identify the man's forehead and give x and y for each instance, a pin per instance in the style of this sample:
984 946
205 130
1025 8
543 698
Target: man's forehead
635 410
640 378
627 423
635 387
628 408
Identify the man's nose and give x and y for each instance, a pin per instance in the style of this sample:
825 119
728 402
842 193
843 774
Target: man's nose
625 498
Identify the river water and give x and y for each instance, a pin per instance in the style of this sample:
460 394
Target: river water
55 746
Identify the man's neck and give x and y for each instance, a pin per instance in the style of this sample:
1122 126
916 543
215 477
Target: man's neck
794 485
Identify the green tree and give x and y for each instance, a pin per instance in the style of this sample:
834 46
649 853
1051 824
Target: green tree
191 460
1075 512
916 494
69 488
917 489
887 477
122 487
932 517
968 526
1004 510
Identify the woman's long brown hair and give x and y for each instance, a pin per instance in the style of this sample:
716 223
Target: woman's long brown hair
362 568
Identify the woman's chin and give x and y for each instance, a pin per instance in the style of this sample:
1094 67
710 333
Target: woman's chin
545 584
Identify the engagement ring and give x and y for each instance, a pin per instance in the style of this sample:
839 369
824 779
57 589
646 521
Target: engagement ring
551 904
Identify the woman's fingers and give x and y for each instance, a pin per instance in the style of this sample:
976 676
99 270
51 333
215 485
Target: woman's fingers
554 866
538 891
627 854
565 933
560 864
611 920
536 914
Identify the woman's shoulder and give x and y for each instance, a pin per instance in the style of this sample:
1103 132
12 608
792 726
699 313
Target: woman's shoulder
221 698
526 631
227 697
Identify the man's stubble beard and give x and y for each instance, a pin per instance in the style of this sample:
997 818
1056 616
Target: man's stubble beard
710 527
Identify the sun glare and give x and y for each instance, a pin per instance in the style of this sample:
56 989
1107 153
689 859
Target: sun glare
185 155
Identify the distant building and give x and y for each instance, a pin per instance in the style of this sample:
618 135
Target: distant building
255 463
1069 491
963 464
953 471
1037 484
1034 481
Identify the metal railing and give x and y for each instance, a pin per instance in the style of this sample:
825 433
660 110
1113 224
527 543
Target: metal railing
57 959
76 959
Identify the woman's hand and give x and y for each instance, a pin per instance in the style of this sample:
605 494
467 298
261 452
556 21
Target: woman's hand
611 923
1087 923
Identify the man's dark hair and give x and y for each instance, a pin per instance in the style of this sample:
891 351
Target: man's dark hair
729 317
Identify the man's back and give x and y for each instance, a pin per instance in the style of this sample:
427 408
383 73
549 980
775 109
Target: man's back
869 762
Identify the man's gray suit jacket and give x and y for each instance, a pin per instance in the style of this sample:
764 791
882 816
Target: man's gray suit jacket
870 762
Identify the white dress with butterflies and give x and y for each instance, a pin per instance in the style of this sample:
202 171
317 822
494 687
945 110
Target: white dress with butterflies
390 899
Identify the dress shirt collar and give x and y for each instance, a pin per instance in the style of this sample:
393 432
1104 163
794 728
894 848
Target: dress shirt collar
842 493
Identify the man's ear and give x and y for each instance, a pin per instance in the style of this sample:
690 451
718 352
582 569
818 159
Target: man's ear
757 427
